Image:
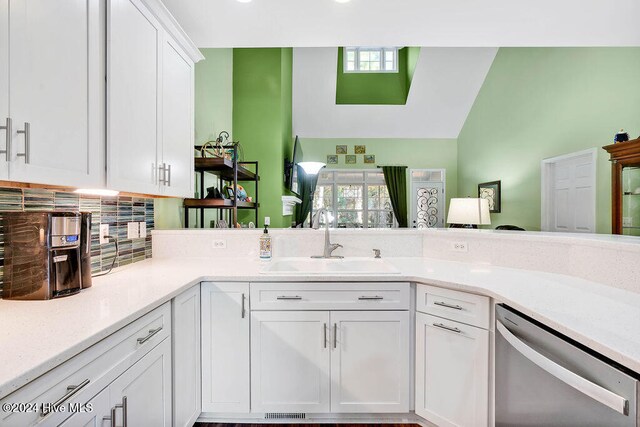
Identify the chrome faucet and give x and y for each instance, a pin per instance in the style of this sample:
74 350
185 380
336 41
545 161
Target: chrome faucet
328 246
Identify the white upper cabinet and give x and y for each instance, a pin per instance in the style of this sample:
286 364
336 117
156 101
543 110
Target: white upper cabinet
150 84
5 134
56 91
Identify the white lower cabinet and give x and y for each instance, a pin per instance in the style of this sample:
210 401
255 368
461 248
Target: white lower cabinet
452 372
225 347
370 361
96 413
290 356
186 357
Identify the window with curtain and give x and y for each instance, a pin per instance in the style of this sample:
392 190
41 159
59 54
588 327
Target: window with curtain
354 199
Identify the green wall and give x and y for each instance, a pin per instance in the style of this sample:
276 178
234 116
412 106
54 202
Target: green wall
414 153
262 122
213 114
377 88
538 103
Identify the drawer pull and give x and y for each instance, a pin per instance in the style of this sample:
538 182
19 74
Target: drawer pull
448 328
444 304
152 332
375 298
243 309
324 328
71 390
335 335
286 298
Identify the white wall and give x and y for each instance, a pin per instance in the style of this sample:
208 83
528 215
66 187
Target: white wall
444 87
278 23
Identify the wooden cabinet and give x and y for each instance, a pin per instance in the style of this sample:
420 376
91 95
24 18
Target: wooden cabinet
53 74
225 347
625 187
143 393
370 361
290 359
452 357
185 340
150 101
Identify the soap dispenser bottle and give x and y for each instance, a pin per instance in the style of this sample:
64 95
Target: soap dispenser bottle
265 241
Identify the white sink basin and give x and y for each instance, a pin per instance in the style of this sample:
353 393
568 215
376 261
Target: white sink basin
313 266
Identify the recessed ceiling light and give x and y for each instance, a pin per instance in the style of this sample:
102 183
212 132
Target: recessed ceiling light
244 1
343 1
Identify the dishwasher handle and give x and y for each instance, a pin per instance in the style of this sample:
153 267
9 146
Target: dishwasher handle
583 385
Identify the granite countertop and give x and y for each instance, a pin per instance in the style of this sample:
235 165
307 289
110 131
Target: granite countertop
36 336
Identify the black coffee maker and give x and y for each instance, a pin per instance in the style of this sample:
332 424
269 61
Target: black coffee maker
47 254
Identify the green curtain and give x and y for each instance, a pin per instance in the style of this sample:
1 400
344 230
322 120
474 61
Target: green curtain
396 179
306 187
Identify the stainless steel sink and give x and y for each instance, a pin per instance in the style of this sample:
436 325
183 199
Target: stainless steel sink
320 266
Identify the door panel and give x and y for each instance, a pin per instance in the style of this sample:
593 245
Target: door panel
133 101
370 361
57 86
147 388
225 347
290 361
4 85
177 120
427 198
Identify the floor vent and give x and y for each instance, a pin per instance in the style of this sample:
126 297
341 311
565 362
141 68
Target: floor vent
284 416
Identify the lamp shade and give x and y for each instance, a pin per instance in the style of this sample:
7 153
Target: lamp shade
311 168
469 211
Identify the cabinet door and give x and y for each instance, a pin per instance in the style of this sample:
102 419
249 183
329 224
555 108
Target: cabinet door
177 121
370 361
5 135
186 357
145 390
134 42
56 64
95 413
225 347
290 361
452 372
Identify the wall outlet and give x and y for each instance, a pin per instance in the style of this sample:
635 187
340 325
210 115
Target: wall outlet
459 247
142 229
104 232
219 244
133 230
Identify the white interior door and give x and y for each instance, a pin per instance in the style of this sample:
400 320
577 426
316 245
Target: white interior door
225 347
569 194
290 361
428 198
177 120
133 97
370 361
5 134
57 91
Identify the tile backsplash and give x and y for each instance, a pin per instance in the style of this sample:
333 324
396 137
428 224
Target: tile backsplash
115 211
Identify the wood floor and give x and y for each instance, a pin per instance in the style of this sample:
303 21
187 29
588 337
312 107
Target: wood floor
302 425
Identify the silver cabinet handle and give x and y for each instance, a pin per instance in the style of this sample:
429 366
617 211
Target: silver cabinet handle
335 335
243 310
110 419
152 332
27 142
570 378
287 298
113 417
162 171
324 330
123 405
444 304
71 390
9 131
374 298
448 328
168 182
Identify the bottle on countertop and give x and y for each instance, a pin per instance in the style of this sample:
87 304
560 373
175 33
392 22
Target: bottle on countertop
265 241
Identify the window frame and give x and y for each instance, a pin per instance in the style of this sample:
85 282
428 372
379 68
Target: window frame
382 50
366 181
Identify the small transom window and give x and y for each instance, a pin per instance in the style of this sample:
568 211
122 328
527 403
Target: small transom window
370 59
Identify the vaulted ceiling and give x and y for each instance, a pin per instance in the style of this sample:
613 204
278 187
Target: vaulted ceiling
489 23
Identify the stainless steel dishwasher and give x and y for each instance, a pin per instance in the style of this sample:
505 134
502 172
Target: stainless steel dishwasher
546 379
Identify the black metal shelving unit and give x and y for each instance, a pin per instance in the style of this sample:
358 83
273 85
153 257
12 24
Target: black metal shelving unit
229 171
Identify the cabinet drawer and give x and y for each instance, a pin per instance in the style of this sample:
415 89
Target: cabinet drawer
455 305
329 296
89 371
